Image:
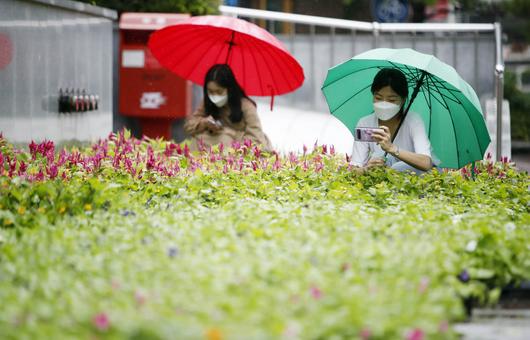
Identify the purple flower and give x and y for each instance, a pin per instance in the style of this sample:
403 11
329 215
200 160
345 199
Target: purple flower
127 213
172 251
464 276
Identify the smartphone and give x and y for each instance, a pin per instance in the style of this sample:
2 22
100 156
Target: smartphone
364 134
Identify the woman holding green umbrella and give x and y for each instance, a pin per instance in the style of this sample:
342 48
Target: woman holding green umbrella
401 138
446 104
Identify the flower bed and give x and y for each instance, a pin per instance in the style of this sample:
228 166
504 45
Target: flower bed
141 238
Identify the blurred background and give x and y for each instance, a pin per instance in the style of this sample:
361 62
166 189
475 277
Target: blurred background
80 69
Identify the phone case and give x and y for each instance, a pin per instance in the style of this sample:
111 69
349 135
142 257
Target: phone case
364 134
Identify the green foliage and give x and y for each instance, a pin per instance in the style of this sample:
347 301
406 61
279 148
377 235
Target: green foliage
306 248
525 77
196 7
519 108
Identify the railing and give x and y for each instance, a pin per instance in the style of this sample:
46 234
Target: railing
374 34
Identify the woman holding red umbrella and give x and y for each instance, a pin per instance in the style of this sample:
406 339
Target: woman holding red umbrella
226 115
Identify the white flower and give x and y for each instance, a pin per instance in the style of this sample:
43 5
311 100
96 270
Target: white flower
509 227
471 245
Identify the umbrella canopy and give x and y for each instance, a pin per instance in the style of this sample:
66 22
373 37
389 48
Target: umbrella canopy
261 64
448 105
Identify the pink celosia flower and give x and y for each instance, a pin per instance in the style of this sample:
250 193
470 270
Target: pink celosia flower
424 284
140 298
248 143
443 326
415 334
365 334
316 293
101 321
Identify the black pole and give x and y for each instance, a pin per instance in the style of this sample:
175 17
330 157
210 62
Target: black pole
412 97
230 44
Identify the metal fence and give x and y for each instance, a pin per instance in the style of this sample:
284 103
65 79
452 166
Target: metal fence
318 43
52 45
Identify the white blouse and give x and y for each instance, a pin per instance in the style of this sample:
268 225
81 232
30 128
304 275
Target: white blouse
411 137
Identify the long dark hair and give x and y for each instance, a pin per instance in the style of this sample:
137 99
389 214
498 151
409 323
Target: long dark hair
395 79
223 75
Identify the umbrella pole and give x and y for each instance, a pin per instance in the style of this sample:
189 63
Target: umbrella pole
412 97
230 44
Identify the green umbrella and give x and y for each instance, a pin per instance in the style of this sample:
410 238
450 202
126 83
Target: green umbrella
448 105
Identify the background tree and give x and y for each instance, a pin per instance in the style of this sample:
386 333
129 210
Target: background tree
519 108
513 14
195 7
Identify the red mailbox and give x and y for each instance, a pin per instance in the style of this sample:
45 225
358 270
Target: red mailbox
147 90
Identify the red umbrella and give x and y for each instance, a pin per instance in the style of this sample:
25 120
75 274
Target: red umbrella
260 62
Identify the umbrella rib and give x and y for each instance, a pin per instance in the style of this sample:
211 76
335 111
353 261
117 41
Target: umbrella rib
467 116
273 85
251 52
456 100
197 45
191 34
273 53
436 90
200 62
279 53
347 100
414 75
356 71
287 68
430 107
429 104
454 130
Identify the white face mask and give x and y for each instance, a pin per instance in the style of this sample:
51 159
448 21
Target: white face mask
219 101
386 110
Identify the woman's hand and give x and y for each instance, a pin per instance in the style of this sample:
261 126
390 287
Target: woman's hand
375 162
383 138
209 124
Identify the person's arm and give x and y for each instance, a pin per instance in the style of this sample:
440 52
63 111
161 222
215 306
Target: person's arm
417 160
253 129
199 122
